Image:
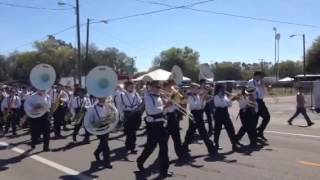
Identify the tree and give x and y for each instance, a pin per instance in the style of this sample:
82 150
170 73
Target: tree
227 71
290 68
313 57
186 58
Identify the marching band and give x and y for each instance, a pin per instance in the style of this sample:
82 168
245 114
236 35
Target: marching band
103 105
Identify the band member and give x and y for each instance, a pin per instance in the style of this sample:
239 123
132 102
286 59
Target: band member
98 112
156 132
173 124
263 112
197 104
79 105
248 110
23 95
10 108
60 99
2 96
41 125
117 102
301 108
222 117
130 102
208 109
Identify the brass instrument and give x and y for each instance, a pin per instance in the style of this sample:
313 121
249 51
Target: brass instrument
101 82
80 115
42 77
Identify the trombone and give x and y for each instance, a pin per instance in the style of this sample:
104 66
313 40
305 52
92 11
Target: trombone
176 98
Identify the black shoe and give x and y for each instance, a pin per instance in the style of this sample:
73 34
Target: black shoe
235 148
46 149
107 165
133 151
33 146
311 124
164 175
290 123
140 166
261 136
96 155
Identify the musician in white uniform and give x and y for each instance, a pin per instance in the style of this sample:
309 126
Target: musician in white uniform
222 117
10 106
247 111
260 93
130 102
156 131
96 113
79 102
197 104
41 125
61 97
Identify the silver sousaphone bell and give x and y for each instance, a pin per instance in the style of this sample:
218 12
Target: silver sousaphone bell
101 82
206 73
176 74
42 77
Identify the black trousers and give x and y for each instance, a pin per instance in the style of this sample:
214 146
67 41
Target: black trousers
1 121
303 111
156 134
173 127
198 124
12 120
103 148
59 120
208 109
40 126
264 113
221 117
132 122
248 120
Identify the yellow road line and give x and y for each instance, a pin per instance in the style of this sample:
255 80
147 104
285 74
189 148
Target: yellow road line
309 163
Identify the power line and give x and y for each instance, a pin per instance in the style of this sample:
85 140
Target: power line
233 15
117 19
32 7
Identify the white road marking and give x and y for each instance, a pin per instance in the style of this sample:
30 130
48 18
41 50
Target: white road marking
293 134
47 162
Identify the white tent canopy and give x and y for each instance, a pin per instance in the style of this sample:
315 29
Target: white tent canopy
159 75
286 79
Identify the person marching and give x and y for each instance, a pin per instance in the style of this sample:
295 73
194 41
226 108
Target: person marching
79 104
130 102
222 117
301 108
3 94
60 99
156 131
248 110
173 125
98 112
197 104
10 109
208 109
40 125
257 82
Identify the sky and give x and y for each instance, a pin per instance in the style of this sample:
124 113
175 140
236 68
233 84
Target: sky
216 37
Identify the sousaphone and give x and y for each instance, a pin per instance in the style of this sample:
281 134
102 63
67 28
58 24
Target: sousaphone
101 82
42 77
206 72
176 74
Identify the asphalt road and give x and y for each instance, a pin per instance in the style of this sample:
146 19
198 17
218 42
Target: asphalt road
292 154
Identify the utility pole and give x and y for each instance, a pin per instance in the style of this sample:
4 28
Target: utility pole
78 42
304 54
87 45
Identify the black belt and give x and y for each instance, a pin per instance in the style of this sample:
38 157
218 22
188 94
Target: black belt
157 116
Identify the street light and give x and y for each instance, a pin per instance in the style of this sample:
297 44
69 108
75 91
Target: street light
77 9
304 50
276 52
91 21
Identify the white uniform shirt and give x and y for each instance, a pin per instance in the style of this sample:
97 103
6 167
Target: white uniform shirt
96 112
153 104
46 98
222 101
260 91
12 102
130 101
244 102
195 102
